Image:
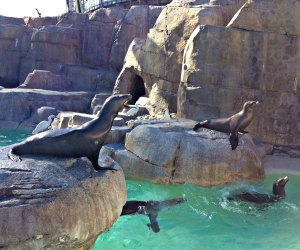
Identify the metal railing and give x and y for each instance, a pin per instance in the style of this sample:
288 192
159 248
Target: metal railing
91 5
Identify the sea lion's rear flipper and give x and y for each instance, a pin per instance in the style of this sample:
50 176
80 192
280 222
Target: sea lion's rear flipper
94 160
13 156
234 140
153 223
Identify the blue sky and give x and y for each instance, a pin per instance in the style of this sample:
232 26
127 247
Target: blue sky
21 8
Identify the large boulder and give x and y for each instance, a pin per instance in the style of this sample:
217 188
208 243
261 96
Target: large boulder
158 58
55 203
173 153
224 67
43 79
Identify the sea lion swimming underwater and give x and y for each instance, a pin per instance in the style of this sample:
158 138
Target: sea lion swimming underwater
278 193
233 124
150 208
80 141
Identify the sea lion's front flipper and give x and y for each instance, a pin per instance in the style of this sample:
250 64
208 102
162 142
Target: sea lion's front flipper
94 160
200 125
13 156
243 132
234 140
153 223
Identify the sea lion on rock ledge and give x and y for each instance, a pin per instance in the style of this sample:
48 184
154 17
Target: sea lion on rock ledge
81 141
278 193
233 124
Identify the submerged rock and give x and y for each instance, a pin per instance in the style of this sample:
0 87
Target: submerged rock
56 203
173 153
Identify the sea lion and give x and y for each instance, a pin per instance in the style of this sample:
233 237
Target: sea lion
150 208
81 141
278 193
233 124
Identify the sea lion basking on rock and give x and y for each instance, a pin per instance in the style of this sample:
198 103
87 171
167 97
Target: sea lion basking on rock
150 208
81 141
278 194
233 124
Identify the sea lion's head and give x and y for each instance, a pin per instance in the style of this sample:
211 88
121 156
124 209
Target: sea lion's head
278 186
115 103
249 105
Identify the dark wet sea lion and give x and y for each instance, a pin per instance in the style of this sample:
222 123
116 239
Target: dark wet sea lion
150 208
278 194
81 141
233 124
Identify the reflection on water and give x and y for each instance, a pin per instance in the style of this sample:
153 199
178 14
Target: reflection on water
10 136
208 220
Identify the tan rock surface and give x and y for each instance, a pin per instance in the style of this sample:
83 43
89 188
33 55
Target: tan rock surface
224 67
173 153
54 203
269 16
158 59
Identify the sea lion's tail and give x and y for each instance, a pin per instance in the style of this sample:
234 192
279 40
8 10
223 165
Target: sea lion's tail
200 125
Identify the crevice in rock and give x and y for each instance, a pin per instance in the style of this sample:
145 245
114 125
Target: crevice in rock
174 163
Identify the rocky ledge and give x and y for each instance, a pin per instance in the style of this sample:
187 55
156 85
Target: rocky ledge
55 203
173 153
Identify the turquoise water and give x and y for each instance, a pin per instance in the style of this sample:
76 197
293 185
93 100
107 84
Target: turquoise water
10 136
208 221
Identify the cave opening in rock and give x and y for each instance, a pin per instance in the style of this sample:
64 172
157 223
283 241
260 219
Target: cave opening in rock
138 89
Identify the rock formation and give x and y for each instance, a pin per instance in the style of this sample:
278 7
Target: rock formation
19 107
55 203
73 52
256 57
158 58
173 153
98 41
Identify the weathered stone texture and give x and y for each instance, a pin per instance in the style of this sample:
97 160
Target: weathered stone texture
42 79
173 153
158 58
97 42
270 16
223 67
55 203
20 104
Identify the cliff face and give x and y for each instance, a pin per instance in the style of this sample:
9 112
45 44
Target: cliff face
158 58
98 41
256 57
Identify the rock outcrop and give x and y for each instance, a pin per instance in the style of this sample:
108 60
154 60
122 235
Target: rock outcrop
223 67
56 203
158 58
173 153
19 107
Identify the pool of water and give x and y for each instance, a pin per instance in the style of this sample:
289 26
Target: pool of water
208 220
10 136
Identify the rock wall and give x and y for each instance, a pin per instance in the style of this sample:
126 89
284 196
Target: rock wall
158 58
55 203
258 59
98 42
